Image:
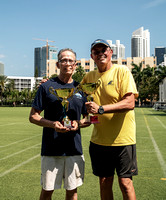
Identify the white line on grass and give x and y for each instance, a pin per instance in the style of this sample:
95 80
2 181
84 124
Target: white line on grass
160 122
20 141
157 150
19 152
19 165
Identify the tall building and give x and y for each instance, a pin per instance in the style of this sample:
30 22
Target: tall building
1 69
159 53
41 56
118 49
140 43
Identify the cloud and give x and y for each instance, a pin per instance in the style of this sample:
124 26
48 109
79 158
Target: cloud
154 3
2 56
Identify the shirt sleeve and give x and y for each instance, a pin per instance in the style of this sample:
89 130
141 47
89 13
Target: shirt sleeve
127 83
39 101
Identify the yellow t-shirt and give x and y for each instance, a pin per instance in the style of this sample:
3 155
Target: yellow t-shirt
114 129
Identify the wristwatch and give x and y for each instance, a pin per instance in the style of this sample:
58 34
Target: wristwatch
101 110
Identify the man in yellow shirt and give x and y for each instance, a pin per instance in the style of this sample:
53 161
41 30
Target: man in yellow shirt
113 141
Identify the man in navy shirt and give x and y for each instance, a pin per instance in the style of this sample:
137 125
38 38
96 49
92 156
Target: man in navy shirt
61 153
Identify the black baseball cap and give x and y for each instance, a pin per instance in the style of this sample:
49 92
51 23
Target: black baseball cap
99 41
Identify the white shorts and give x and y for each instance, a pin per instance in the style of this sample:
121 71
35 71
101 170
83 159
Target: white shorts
54 169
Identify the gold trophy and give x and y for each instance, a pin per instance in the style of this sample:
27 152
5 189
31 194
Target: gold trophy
89 89
63 93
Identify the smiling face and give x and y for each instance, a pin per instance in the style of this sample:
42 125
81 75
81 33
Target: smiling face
66 63
101 55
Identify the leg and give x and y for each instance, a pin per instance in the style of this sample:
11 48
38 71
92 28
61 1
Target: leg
46 195
71 194
106 184
127 188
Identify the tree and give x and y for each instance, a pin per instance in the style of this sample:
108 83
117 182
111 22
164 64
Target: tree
137 75
9 87
53 76
149 87
79 74
160 73
3 80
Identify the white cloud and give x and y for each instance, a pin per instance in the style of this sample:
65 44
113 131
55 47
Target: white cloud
2 56
154 3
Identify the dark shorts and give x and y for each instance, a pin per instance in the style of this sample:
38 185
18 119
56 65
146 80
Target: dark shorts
105 159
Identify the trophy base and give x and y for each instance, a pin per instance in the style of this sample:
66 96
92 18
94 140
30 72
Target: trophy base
67 123
92 119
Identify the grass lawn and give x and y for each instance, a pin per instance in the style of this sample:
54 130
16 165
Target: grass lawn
20 143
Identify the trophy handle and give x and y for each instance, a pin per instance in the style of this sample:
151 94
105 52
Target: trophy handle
52 91
89 97
98 83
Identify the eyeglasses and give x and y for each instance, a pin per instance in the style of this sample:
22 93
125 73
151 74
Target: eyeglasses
104 50
65 61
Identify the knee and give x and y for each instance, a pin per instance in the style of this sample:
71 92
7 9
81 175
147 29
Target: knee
106 181
71 194
46 194
126 184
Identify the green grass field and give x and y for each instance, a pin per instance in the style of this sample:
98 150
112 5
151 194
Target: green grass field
20 144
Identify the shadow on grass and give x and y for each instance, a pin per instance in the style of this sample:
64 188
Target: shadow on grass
156 113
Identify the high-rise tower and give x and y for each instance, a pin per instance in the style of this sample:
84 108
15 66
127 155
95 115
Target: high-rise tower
1 69
118 49
41 57
140 43
159 53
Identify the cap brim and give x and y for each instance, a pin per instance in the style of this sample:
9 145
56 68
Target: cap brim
99 43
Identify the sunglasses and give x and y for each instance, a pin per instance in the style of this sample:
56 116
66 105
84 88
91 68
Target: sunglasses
104 50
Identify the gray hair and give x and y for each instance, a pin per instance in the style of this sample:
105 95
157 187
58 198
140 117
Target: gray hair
66 49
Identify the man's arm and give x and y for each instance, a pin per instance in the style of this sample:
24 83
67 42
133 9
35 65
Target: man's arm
35 118
127 103
83 122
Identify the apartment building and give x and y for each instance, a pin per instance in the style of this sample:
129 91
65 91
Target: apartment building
140 43
21 83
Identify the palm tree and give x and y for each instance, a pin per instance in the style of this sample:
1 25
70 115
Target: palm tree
137 75
160 72
9 87
3 80
149 86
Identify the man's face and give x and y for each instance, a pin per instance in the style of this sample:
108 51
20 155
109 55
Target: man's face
67 62
101 54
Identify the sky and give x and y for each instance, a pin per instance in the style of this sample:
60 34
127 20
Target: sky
73 24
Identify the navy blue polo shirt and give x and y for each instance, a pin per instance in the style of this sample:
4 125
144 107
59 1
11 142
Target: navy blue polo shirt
56 143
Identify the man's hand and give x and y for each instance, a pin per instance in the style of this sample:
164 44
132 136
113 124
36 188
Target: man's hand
92 107
60 128
84 123
75 126
43 81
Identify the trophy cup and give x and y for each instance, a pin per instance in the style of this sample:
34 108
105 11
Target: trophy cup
89 89
63 93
